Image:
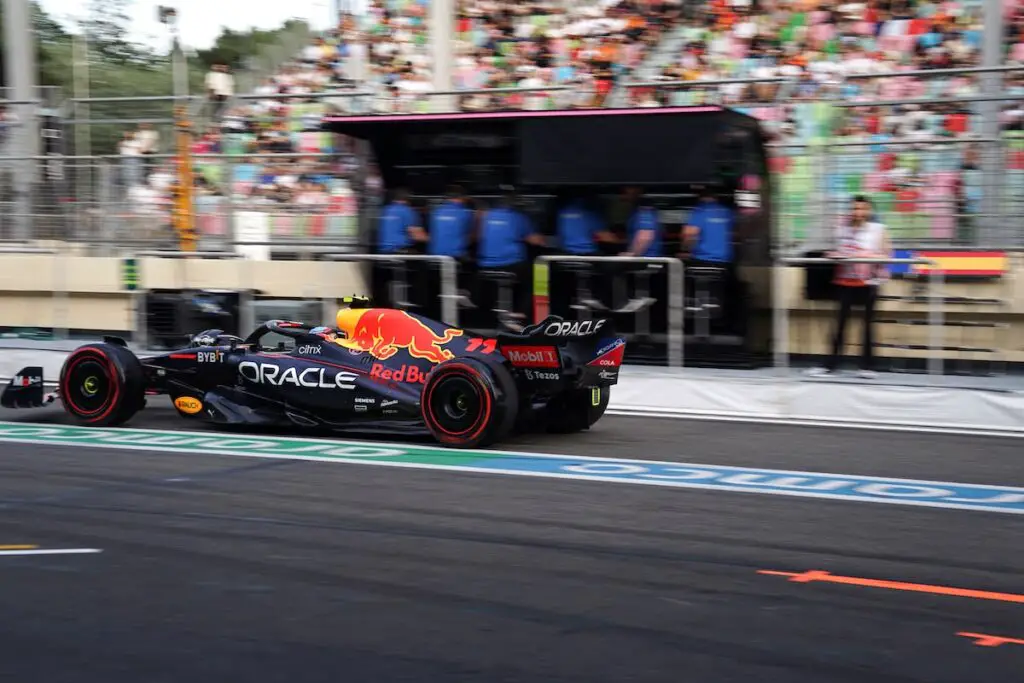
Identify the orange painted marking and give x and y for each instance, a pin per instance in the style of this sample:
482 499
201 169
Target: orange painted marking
18 547
985 640
818 575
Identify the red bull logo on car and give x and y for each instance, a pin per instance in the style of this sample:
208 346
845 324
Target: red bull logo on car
405 374
382 332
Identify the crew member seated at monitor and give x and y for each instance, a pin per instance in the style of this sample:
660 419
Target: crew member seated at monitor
505 232
400 227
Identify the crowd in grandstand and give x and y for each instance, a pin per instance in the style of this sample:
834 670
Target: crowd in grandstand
796 54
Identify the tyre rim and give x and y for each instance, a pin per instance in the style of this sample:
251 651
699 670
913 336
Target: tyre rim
459 403
90 385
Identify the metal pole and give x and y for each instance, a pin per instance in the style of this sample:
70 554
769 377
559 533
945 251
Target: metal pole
179 65
80 106
20 72
676 320
442 20
450 292
992 166
936 338
780 317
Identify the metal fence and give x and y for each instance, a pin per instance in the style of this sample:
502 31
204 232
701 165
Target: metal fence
934 185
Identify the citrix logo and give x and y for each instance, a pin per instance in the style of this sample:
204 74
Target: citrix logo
308 350
263 373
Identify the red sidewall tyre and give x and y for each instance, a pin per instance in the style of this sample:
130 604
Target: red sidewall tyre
102 385
469 404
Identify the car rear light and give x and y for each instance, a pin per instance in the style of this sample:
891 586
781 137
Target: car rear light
532 356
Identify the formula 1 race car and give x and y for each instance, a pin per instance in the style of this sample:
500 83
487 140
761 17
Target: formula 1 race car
380 370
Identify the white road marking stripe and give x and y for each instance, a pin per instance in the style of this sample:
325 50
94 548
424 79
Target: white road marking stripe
52 551
911 427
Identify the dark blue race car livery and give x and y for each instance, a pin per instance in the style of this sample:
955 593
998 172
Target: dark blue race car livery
379 370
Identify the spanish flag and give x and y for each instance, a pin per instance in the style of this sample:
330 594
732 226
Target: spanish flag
965 263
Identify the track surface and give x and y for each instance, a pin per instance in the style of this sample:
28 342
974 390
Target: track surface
218 568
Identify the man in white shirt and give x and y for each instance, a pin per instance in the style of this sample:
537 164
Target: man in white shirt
859 237
220 87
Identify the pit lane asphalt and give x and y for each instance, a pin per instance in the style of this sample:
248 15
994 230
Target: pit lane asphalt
217 568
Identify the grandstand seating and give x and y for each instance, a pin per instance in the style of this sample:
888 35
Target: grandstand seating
919 185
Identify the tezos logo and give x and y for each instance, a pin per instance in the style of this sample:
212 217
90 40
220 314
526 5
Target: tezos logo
537 374
580 328
319 378
188 405
406 373
308 350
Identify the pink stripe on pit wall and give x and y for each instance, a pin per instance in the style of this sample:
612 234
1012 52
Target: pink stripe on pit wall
520 114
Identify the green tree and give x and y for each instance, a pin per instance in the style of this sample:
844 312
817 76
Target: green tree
234 47
52 47
106 25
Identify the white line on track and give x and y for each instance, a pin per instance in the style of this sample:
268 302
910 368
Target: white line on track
52 551
915 428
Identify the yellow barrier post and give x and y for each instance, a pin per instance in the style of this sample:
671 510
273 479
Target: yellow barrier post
183 219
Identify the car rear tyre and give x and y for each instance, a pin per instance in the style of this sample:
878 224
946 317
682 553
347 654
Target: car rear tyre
469 404
577 410
102 385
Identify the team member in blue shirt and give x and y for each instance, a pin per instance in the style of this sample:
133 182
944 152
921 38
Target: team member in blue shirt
451 226
505 232
709 230
400 226
579 228
643 229
708 234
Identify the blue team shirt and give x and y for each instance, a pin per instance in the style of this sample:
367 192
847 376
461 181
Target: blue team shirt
395 221
577 226
715 223
502 235
645 218
449 229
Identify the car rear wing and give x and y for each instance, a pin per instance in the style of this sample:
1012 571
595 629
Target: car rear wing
589 349
554 329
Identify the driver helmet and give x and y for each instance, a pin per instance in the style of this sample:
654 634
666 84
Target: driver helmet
347 319
324 331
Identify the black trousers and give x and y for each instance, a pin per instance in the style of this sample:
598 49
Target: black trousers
848 298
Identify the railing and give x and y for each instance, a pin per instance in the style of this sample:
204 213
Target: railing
676 292
322 282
